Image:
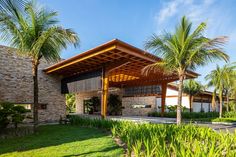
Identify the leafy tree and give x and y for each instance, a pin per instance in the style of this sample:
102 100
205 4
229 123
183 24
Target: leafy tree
192 87
35 34
185 49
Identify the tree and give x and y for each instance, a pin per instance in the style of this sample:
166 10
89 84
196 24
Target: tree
230 81
184 50
35 34
222 79
8 6
192 87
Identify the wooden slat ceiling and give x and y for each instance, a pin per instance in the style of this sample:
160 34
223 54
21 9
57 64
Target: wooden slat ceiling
115 51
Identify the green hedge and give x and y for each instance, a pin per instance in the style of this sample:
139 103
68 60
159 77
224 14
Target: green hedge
231 114
165 139
186 115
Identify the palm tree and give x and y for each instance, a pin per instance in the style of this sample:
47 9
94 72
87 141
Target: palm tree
222 79
183 50
230 81
35 34
192 87
8 6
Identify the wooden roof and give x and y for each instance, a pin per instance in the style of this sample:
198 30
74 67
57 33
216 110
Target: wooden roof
124 62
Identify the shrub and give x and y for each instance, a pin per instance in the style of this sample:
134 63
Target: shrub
9 113
165 140
231 114
186 115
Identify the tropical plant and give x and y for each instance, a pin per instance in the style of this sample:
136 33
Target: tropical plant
230 82
145 139
70 103
114 104
35 34
221 79
192 88
10 113
8 6
184 50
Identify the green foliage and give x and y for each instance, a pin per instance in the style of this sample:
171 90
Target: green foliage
166 140
186 115
231 114
192 87
9 113
70 103
222 79
227 120
185 49
114 104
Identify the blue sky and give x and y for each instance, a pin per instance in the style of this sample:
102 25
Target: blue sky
133 21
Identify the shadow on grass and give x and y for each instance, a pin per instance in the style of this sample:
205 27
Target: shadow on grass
52 135
94 152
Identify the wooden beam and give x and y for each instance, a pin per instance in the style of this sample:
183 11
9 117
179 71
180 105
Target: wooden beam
163 98
105 86
79 59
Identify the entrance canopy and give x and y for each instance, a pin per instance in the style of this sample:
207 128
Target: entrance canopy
123 62
113 64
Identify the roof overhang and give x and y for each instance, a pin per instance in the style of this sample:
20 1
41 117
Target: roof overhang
123 61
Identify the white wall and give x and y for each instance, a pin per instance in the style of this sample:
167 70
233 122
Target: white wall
205 106
171 101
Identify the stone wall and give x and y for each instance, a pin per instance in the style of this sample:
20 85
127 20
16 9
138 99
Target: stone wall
127 103
80 97
129 110
16 84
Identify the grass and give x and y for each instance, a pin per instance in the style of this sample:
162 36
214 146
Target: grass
227 120
61 140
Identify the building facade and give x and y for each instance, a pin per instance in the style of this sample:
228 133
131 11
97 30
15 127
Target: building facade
16 85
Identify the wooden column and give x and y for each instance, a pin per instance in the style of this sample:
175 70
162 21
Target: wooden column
105 86
163 98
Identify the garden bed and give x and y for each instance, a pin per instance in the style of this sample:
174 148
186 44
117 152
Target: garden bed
165 139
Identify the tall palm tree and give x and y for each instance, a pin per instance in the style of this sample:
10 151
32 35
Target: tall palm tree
230 81
222 79
185 49
35 34
192 87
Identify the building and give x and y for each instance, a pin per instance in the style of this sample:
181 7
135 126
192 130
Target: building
114 67
201 101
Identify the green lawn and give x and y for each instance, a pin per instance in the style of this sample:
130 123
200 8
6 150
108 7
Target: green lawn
61 140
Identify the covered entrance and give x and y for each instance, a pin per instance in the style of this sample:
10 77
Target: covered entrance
113 65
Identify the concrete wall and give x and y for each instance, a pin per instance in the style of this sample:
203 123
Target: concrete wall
16 85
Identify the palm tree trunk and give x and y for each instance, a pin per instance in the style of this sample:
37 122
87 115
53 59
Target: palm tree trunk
35 81
213 102
221 105
191 103
227 99
179 118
